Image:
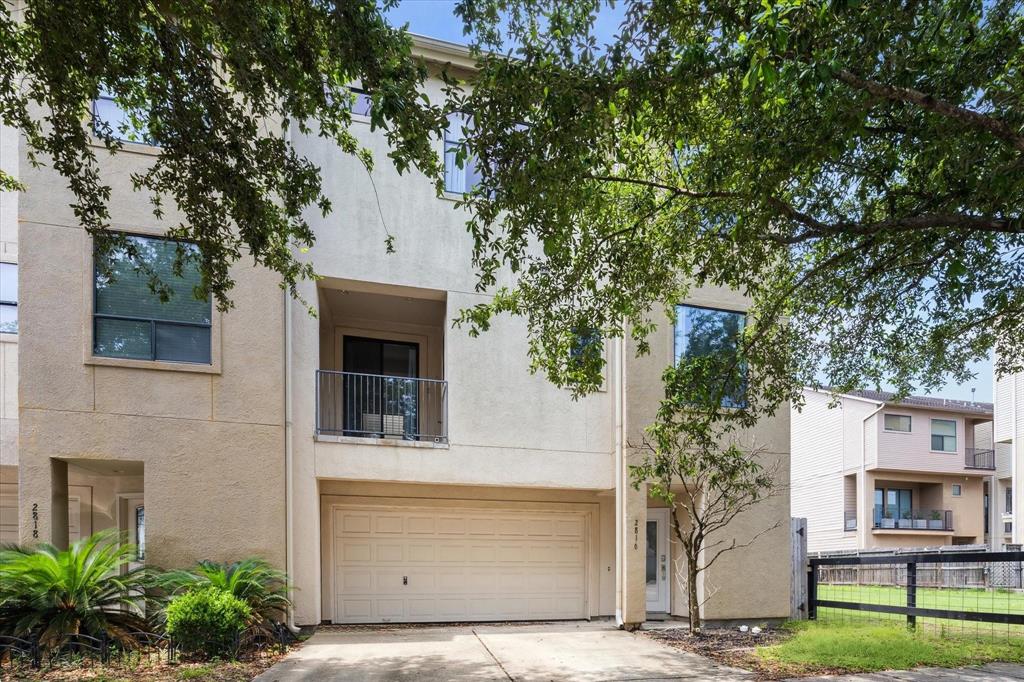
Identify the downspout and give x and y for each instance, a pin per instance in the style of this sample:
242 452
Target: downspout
620 493
864 466
289 542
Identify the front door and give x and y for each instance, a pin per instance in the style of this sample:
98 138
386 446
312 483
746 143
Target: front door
657 561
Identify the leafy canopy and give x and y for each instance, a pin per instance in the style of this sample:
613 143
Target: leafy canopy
215 86
855 168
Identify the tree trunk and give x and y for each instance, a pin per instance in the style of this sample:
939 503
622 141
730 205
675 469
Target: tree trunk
693 603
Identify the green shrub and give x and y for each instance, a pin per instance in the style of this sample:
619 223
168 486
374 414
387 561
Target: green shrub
85 589
254 581
207 622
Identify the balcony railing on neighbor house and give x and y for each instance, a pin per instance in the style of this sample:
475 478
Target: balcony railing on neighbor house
980 458
913 519
378 406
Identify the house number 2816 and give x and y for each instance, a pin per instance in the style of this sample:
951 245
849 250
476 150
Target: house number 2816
636 533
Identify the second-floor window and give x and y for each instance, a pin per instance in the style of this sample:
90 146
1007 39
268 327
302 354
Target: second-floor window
702 332
460 174
109 118
1008 507
943 435
8 298
897 422
129 319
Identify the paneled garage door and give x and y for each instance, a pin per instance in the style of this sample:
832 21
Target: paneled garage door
456 564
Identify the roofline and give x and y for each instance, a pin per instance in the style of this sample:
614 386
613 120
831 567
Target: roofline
932 408
442 51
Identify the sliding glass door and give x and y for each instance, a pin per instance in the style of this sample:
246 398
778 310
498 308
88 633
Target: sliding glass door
380 391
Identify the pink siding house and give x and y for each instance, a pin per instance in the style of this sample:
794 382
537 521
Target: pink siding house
869 472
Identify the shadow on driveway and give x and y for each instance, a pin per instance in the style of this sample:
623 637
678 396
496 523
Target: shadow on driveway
521 653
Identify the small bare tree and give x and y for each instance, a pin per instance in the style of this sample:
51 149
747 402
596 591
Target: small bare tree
706 487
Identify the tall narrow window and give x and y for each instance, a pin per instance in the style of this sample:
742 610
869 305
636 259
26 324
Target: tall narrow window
8 298
1008 507
130 321
140 533
943 435
708 332
459 167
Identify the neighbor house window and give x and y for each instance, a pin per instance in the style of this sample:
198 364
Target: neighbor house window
108 118
130 321
957 490
943 435
8 298
897 422
1008 507
706 332
140 533
459 168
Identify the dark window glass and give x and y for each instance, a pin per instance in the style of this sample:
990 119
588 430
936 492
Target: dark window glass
140 533
130 321
8 298
460 175
1009 500
897 422
956 490
702 332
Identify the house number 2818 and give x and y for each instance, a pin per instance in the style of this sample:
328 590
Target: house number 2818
35 519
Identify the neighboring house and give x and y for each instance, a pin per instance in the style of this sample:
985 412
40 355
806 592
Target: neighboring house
1008 431
870 472
399 469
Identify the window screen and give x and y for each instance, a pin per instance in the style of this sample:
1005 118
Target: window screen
944 435
897 422
130 321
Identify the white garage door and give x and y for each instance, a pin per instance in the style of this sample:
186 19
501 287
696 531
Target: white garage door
456 564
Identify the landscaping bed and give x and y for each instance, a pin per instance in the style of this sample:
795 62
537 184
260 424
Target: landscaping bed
809 649
146 671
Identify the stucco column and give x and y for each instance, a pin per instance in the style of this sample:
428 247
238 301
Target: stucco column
59 503
631 596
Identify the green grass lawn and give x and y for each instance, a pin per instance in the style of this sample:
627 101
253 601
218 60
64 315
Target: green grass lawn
867 648
955 599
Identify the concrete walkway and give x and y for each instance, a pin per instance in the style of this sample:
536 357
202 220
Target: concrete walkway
596 652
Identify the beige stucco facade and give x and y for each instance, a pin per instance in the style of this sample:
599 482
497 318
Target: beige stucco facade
232 460
855 478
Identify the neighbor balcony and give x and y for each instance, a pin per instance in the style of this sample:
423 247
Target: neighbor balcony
395 408
980 458
913 519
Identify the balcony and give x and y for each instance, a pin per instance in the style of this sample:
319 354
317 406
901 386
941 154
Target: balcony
913 519
381 406
978 458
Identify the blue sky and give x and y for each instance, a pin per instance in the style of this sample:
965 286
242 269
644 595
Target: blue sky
436 18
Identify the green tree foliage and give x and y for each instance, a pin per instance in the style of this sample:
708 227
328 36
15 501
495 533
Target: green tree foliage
855 168
263 588
85 589
215 86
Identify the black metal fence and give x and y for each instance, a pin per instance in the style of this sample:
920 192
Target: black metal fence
980 458
970 592
377 406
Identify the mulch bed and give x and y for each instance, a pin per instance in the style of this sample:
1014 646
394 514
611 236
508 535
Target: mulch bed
146 670
738 650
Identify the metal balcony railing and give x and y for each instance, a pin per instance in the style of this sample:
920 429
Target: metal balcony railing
378 406
912 519
980 458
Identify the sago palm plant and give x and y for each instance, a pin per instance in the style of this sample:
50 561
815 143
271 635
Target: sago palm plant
254 581
53 593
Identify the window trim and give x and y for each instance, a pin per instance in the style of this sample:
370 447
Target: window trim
89 325
11 303
955 436
897 414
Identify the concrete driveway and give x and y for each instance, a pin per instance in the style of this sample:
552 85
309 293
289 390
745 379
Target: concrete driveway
523 653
